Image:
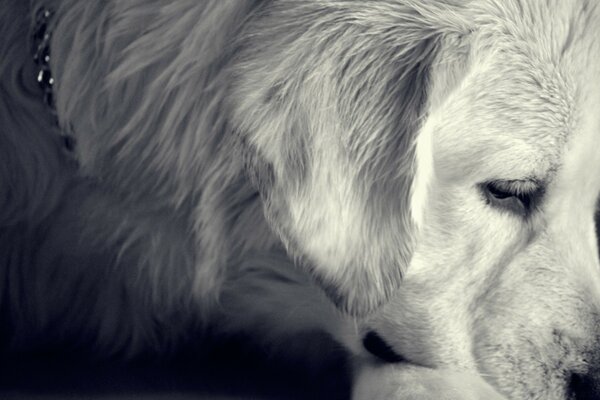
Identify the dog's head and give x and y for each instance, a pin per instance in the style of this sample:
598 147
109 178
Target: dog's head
460 138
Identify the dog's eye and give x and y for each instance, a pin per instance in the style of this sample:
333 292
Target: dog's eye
513 196
375 345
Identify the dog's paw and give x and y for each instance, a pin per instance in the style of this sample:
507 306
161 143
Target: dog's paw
404 382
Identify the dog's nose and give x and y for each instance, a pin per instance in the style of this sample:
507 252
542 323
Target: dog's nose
585 386
375 345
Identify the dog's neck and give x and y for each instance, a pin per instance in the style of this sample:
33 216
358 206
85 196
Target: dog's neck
42 35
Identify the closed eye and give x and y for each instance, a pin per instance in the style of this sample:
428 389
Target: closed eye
516 196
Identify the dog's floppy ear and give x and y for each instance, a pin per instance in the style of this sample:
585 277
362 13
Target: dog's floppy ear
327 98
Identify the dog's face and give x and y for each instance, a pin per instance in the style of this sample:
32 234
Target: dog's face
505 278
502 102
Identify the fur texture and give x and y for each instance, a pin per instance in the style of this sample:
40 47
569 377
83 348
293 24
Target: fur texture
279 167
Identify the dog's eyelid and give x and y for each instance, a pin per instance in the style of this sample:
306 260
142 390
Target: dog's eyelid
518 186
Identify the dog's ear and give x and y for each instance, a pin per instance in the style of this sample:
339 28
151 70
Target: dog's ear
327 99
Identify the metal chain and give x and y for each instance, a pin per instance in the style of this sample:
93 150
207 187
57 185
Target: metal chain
41 56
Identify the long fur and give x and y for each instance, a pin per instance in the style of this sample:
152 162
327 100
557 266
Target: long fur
266 167
162 219
178 174
343 214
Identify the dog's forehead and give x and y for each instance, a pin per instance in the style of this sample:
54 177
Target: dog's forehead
527 91
505 124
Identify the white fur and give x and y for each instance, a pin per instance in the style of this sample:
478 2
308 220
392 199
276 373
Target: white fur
238 159
488 292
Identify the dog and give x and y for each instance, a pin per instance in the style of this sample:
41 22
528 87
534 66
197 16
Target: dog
418 179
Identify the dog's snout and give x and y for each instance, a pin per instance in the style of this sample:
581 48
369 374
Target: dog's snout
585 386
375 345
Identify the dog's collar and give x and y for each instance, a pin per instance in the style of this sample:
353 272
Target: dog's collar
41 56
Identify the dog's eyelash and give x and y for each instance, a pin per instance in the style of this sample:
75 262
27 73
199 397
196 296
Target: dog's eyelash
502 190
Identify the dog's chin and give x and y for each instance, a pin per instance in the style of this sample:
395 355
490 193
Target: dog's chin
384 373
377 381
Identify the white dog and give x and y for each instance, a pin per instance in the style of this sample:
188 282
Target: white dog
431 167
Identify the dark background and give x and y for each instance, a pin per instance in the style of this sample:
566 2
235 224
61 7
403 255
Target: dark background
223 369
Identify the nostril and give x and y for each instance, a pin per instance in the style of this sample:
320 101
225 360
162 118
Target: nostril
375 345
584 387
